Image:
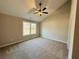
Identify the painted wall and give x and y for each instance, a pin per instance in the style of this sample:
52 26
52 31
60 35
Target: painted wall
11 30
55 27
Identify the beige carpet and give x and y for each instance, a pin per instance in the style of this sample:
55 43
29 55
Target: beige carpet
38 48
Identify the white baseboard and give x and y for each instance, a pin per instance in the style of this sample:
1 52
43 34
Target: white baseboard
21 40
11 43
57 40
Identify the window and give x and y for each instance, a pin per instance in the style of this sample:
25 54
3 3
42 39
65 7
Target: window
26 28
33 28
29 28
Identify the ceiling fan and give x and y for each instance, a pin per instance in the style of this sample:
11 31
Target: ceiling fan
41 10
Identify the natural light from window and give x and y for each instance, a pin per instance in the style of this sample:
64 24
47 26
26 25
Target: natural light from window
29 28
26 28
33 28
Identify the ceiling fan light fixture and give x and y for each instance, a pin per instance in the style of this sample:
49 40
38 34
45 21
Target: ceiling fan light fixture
41 10
40 13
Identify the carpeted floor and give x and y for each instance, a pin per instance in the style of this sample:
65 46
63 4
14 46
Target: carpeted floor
37 48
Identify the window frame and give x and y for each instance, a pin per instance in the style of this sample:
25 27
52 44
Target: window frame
24 28
35 28
30 28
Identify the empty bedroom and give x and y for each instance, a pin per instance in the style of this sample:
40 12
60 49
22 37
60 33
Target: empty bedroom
35 29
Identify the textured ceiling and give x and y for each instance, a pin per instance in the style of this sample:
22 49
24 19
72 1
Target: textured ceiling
23 8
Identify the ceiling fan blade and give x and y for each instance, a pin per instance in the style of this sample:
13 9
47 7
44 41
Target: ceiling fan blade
38 4
45 12
35 9
44 9
35 12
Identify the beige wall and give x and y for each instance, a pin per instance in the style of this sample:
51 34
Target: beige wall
55 27
11 30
